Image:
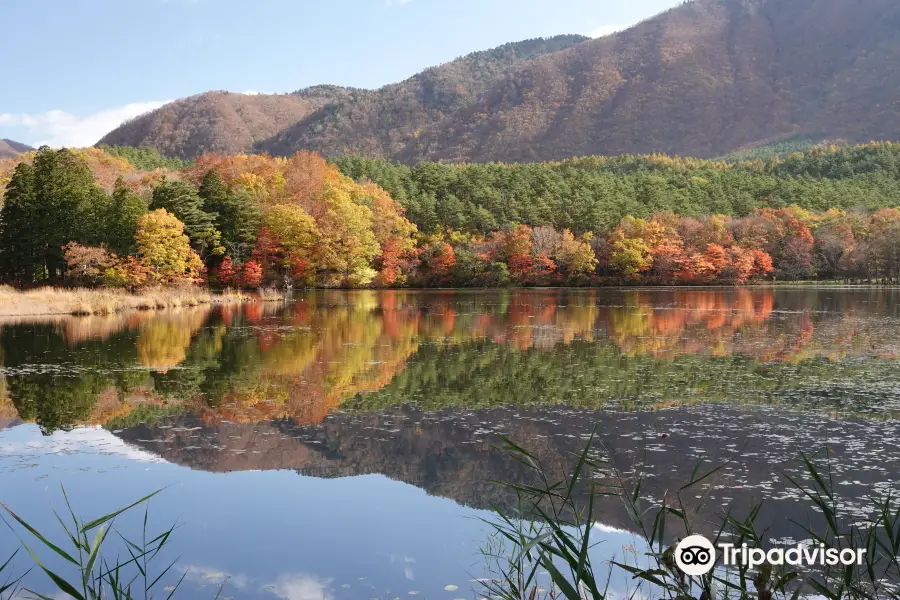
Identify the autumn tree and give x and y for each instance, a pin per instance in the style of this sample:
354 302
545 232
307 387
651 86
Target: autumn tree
347 242
182 200
575 256
393 232
165 249
295 238
87 265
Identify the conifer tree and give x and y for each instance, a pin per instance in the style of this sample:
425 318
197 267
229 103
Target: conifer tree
182 200
121 222
19 259
237 212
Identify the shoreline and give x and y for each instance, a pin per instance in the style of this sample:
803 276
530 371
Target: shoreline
83 302
49 301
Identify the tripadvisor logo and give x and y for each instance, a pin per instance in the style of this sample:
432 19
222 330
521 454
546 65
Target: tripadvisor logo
695 555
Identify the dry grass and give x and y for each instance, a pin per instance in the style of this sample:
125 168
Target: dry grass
61 301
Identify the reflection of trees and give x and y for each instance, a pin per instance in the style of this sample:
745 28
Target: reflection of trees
480 375
57 384
163 342
451 453
641 347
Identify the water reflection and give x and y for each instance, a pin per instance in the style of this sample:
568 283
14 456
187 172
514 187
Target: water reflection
327 402
374 349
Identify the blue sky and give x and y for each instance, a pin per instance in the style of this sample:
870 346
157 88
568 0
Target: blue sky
74 69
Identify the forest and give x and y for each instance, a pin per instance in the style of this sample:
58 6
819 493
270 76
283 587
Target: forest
131 218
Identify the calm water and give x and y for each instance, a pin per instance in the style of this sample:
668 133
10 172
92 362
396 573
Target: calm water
342 446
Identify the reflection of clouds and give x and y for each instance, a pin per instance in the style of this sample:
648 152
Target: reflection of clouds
609 529
300 586
408 562
93 440
206 575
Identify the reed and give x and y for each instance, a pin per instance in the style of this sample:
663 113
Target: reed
105 301
550 530
92 576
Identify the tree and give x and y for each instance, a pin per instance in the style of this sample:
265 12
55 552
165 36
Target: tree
87 265
575 256
165 249
631 245
297 239
237 212
347 243
49 204
20 247
122 217
182 200
224 274
251 274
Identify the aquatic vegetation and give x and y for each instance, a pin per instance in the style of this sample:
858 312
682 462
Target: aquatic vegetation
550 529
96 575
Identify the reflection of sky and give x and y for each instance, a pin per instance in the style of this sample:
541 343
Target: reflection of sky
260 533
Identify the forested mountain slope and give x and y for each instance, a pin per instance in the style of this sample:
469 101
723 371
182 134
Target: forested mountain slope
330 119
702 79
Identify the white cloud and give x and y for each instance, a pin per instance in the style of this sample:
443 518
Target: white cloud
605 30
397 2
58 128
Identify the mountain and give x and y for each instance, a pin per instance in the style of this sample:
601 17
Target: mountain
221 122
9 148
702 79
381 123
330 119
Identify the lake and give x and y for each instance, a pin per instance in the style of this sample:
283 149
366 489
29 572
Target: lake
343 445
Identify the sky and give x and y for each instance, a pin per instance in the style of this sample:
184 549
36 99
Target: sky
72 70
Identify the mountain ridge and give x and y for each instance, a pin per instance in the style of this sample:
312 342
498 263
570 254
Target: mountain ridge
231 123
10 148
703 79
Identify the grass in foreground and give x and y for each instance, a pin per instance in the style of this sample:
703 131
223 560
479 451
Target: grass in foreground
550 531
95 577
83 301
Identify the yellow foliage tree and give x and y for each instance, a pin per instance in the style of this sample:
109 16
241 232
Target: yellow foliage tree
297 233
575 255
165 249
348 243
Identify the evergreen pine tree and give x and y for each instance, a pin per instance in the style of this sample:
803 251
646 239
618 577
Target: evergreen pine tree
182 200
69 200
126 207
238 215
19 260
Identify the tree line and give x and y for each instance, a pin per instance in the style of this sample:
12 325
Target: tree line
253 220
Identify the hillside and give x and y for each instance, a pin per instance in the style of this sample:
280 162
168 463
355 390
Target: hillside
220 122
330 119
703 79
383 122
9 148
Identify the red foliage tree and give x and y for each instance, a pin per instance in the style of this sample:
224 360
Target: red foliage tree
251 274
224 273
